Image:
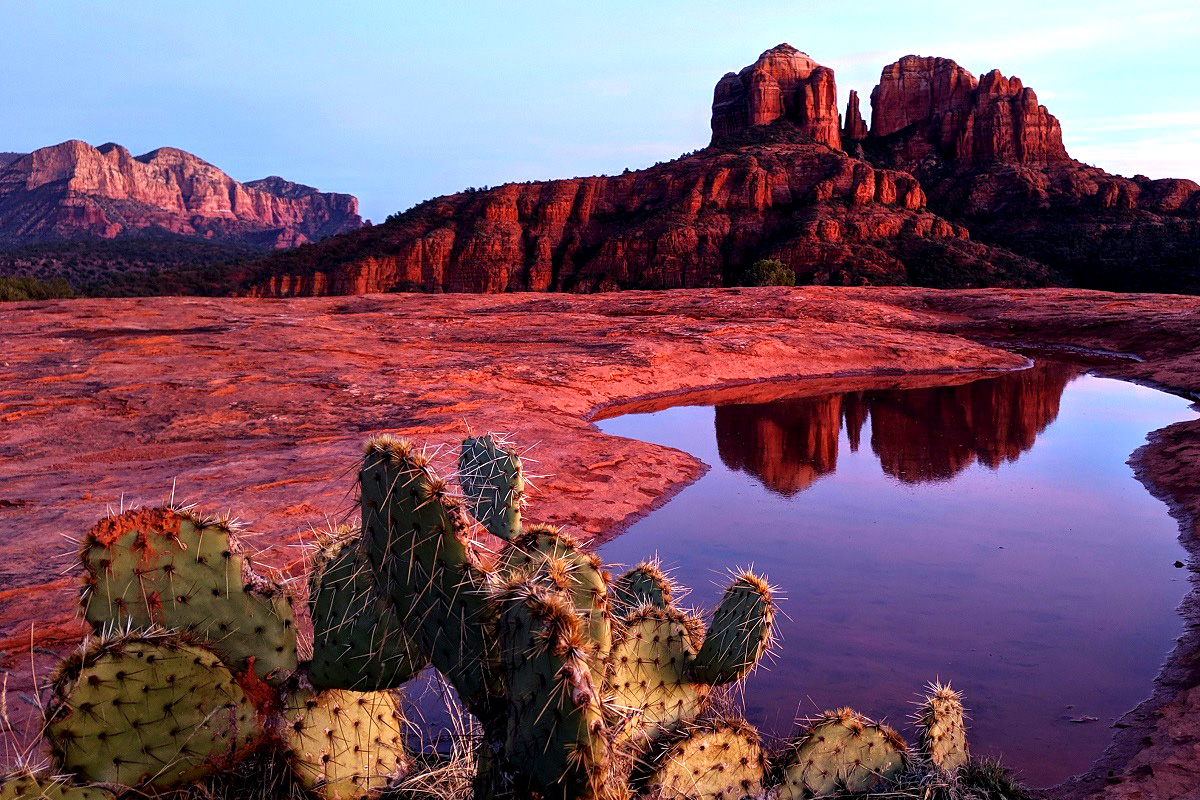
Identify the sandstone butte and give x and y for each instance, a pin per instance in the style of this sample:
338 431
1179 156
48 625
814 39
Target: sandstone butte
74 190
958 182
261 407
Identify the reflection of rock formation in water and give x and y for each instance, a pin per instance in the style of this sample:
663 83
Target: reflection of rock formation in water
919 435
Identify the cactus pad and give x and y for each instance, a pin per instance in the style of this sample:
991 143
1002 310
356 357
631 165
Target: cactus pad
644 584
647 679
25 785
841 752
492 479
415 537
941 731
358 641
717 761
739 634
148 710
169 568
344 745
555 729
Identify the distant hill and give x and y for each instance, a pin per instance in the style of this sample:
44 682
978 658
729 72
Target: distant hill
166 209
959 181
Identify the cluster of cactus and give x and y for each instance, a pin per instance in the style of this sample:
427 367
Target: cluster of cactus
584 686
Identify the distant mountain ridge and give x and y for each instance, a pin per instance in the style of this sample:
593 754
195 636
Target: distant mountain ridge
75 191
959 181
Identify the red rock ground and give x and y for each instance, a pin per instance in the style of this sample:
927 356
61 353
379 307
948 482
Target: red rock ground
261 406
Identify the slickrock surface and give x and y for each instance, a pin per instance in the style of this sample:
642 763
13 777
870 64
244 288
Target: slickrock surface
75 190
261 406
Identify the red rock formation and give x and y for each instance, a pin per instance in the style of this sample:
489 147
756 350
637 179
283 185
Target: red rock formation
995 119
855 127
73 189
687 223
783 83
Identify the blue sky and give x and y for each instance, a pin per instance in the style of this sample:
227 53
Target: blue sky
399 101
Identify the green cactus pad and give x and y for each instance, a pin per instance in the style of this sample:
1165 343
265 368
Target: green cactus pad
941 730
358 641
647 680
841 752
644 584
715 761
148 710
415 537
162 567
545 550
555 729
739 634
344 745
26 785
493 482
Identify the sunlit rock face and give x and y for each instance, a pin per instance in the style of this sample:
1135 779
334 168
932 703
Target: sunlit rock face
74 190
783 83
919 435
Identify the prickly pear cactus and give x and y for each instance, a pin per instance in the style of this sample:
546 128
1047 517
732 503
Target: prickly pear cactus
555 727
170 568
344 745
648 672
644 584
547 551
26 785
740 632
841 752
148 710
358 641
941 731
714 761
490 473
414 533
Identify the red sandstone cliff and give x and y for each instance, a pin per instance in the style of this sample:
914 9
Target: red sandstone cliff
75 190
783 83
1009 206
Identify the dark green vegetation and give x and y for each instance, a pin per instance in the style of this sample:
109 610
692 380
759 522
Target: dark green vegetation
129 267
582 686
26 288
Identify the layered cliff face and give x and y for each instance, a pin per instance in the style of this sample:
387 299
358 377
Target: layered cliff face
783 83
958 182
74 190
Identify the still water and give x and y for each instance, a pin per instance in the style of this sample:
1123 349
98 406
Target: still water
989 532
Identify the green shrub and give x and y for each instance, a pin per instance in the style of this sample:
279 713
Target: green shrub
23 288
769 272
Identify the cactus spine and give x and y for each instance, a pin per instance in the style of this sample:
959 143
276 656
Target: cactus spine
173 569
941 730
148 710
26 785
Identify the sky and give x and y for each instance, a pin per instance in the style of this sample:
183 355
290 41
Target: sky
397 102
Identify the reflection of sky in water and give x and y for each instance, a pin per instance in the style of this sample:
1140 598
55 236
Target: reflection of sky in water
1045 588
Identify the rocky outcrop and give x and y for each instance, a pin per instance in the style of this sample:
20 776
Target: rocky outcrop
855 126
8 158
74 190
1010 208
783 83
689 223
992 120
